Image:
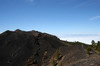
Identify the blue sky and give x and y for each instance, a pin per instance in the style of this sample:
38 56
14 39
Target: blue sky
68 19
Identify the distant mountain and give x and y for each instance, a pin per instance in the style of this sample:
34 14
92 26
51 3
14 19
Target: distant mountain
33 48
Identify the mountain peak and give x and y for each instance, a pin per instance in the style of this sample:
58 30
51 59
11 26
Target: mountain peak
34 48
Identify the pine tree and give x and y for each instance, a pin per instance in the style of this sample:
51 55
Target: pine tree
98 46
93 44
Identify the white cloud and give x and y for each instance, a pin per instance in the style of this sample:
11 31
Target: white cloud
95 18
81 38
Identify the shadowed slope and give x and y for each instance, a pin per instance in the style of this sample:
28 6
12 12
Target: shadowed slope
20 48
33 48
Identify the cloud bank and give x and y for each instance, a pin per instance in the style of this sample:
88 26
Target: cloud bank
85 38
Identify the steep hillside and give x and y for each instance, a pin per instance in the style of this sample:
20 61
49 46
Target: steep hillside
33 48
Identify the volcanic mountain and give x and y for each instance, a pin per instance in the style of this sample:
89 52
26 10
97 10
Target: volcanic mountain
33 48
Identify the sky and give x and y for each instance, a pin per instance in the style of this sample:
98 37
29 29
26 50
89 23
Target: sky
72 20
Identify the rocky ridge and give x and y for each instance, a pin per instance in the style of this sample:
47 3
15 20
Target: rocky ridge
33 48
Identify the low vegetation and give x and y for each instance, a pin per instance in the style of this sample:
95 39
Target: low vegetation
56 59
94 46
73 43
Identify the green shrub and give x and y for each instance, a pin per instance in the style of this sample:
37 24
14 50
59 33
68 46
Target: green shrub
60 64
89 49
53 62
57 54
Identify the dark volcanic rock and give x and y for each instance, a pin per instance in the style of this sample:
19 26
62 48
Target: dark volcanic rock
20 48
33 48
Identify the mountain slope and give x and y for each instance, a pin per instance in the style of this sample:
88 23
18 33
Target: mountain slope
33 48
